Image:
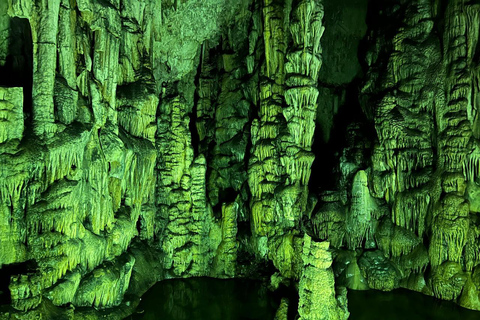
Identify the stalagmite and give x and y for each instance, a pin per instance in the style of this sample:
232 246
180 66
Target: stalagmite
317 292
226 256
360 225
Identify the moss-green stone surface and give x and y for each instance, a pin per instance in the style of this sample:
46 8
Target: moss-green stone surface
315 144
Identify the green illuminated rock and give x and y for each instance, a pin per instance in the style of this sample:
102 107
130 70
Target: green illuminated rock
317 291
419 96
11 104
312 143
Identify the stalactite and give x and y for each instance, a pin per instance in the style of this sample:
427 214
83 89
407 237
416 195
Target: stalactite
329 223
410 210
395 241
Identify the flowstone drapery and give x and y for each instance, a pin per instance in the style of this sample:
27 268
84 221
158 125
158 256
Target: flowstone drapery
419 92
317 144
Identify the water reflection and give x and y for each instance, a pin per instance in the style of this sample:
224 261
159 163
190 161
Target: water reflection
403 304
206 298
214 299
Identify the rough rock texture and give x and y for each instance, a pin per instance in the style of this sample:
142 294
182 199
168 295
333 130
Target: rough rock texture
413 221
311 142
99 157
317 286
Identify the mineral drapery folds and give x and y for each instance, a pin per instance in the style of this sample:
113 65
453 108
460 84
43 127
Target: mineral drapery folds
142 140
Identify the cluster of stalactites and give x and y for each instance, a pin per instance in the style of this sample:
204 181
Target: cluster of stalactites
86 66
453 233
181 195
421 92
265 170
404 118
226 106
75 218
410 209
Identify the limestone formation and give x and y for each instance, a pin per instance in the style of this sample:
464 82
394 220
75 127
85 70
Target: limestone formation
317 144
418 94
317 291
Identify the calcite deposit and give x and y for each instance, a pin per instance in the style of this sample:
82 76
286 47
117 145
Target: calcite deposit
321 145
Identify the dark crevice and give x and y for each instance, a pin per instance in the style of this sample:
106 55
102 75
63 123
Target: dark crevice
217 210
195 137
18 68
248 147
476 56
224 196
92 46
244 230
9 270
325 172
139 225
289 292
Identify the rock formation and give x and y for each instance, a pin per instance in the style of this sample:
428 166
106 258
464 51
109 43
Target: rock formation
319 144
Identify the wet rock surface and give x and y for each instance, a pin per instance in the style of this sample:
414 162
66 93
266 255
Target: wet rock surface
317 144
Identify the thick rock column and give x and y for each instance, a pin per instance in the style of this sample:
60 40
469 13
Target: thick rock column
282 136
318 299
265 169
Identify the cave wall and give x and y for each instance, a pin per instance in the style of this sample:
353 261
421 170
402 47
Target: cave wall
322 144
136 147
102 157
407 209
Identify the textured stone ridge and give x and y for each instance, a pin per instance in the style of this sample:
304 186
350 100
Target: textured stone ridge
317 285
412 206
100 156
11 115
142 140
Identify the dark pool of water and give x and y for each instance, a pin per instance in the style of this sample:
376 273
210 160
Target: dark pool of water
239 299
207 299
404 305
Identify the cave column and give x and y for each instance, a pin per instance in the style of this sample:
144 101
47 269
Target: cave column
451 222
44 24
302 68
183 212
282 136
265 169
